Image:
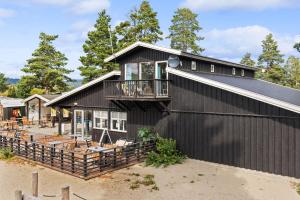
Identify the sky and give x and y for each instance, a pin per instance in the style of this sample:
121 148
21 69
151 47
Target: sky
231 27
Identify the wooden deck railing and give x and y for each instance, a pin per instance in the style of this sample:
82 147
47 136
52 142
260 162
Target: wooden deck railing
83 165
155 88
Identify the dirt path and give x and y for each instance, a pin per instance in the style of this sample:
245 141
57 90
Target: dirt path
191 180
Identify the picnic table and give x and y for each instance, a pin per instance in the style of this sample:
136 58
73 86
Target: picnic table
97 149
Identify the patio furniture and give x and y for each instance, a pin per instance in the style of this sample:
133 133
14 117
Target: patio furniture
54 143
97 149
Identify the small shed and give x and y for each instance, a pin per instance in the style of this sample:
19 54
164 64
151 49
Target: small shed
35 109
11 107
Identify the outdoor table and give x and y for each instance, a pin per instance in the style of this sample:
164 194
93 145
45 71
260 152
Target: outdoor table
97 149
54 143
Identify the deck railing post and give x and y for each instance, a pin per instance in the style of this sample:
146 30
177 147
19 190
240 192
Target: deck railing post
73 162
1 144
154 87
11 143
138 151
43 153
5 141
126 154
19 146
33 151
26 149
85 170
52 155
62 159
100 161
115 157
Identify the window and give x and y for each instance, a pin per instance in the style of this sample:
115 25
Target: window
243 72
118 121
131 71
147 71
233 71
212 68
194 65
100 119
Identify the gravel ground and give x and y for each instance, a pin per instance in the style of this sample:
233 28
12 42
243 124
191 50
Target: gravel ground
192 180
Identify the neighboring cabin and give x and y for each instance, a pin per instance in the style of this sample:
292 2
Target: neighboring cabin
214 109
11 108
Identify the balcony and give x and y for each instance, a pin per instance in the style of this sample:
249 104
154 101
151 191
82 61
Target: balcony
137 90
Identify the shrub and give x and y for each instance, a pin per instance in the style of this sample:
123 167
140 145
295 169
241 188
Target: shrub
166 154
6 154
146 134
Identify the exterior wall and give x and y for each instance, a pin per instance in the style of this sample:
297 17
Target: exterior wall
149 55
222 127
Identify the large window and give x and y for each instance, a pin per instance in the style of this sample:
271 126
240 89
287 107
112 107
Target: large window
118 121
147 71
100 119
131 71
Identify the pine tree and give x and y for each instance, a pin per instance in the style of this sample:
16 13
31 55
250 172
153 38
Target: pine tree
46 69
292 68
99 45
3 83
270 55
246 60
142 25
297 46
184 31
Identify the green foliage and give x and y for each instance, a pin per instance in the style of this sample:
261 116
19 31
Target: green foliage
297 46
6 154
292 68
146 134
24 86
37 91
3 83
142 25
246 60
270 55
166 154
97 47
184 31
12 91
46 69
275 74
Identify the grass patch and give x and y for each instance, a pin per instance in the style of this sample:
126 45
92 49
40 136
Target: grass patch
6 154
148 180
134 174
135 185
200 174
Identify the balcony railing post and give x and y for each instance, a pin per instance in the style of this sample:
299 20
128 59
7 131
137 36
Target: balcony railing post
136 89
154 87
1 144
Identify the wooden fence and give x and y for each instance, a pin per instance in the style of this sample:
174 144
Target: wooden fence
83 165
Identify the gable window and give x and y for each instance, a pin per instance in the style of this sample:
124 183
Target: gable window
131 71
100 119
194 65
118 121
242 72
233 71
212 68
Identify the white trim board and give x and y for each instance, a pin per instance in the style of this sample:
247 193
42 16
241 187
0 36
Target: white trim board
236 90
36 96
82 87
175 52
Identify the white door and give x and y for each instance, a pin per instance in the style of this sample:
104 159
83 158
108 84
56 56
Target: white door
160 75
78 123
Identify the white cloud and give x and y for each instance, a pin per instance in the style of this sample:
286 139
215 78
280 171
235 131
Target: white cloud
6 13
238 4
89 6
52 2
235 42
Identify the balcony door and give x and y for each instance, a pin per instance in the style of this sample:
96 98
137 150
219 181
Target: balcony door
146 75
161 76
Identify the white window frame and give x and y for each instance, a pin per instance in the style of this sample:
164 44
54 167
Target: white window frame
118 119
233 71
212 68
101 118
194 65
156 66
125 69
140 69
242 72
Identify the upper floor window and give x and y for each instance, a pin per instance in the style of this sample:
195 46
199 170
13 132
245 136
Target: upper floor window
194 65
233 71
118 121
147 70
212 68
242 72
131 71
100 119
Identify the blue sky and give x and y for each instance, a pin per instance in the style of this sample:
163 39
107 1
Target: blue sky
231 28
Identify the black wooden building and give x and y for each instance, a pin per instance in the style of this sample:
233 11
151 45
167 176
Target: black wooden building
216 110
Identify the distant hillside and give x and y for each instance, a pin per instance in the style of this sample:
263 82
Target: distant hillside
76 83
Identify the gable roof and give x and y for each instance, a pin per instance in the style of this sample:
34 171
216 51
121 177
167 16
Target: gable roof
174 52
280 96
8 102
84 86
44 97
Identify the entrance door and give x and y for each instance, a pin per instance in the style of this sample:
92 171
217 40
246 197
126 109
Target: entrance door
160 76
78 123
